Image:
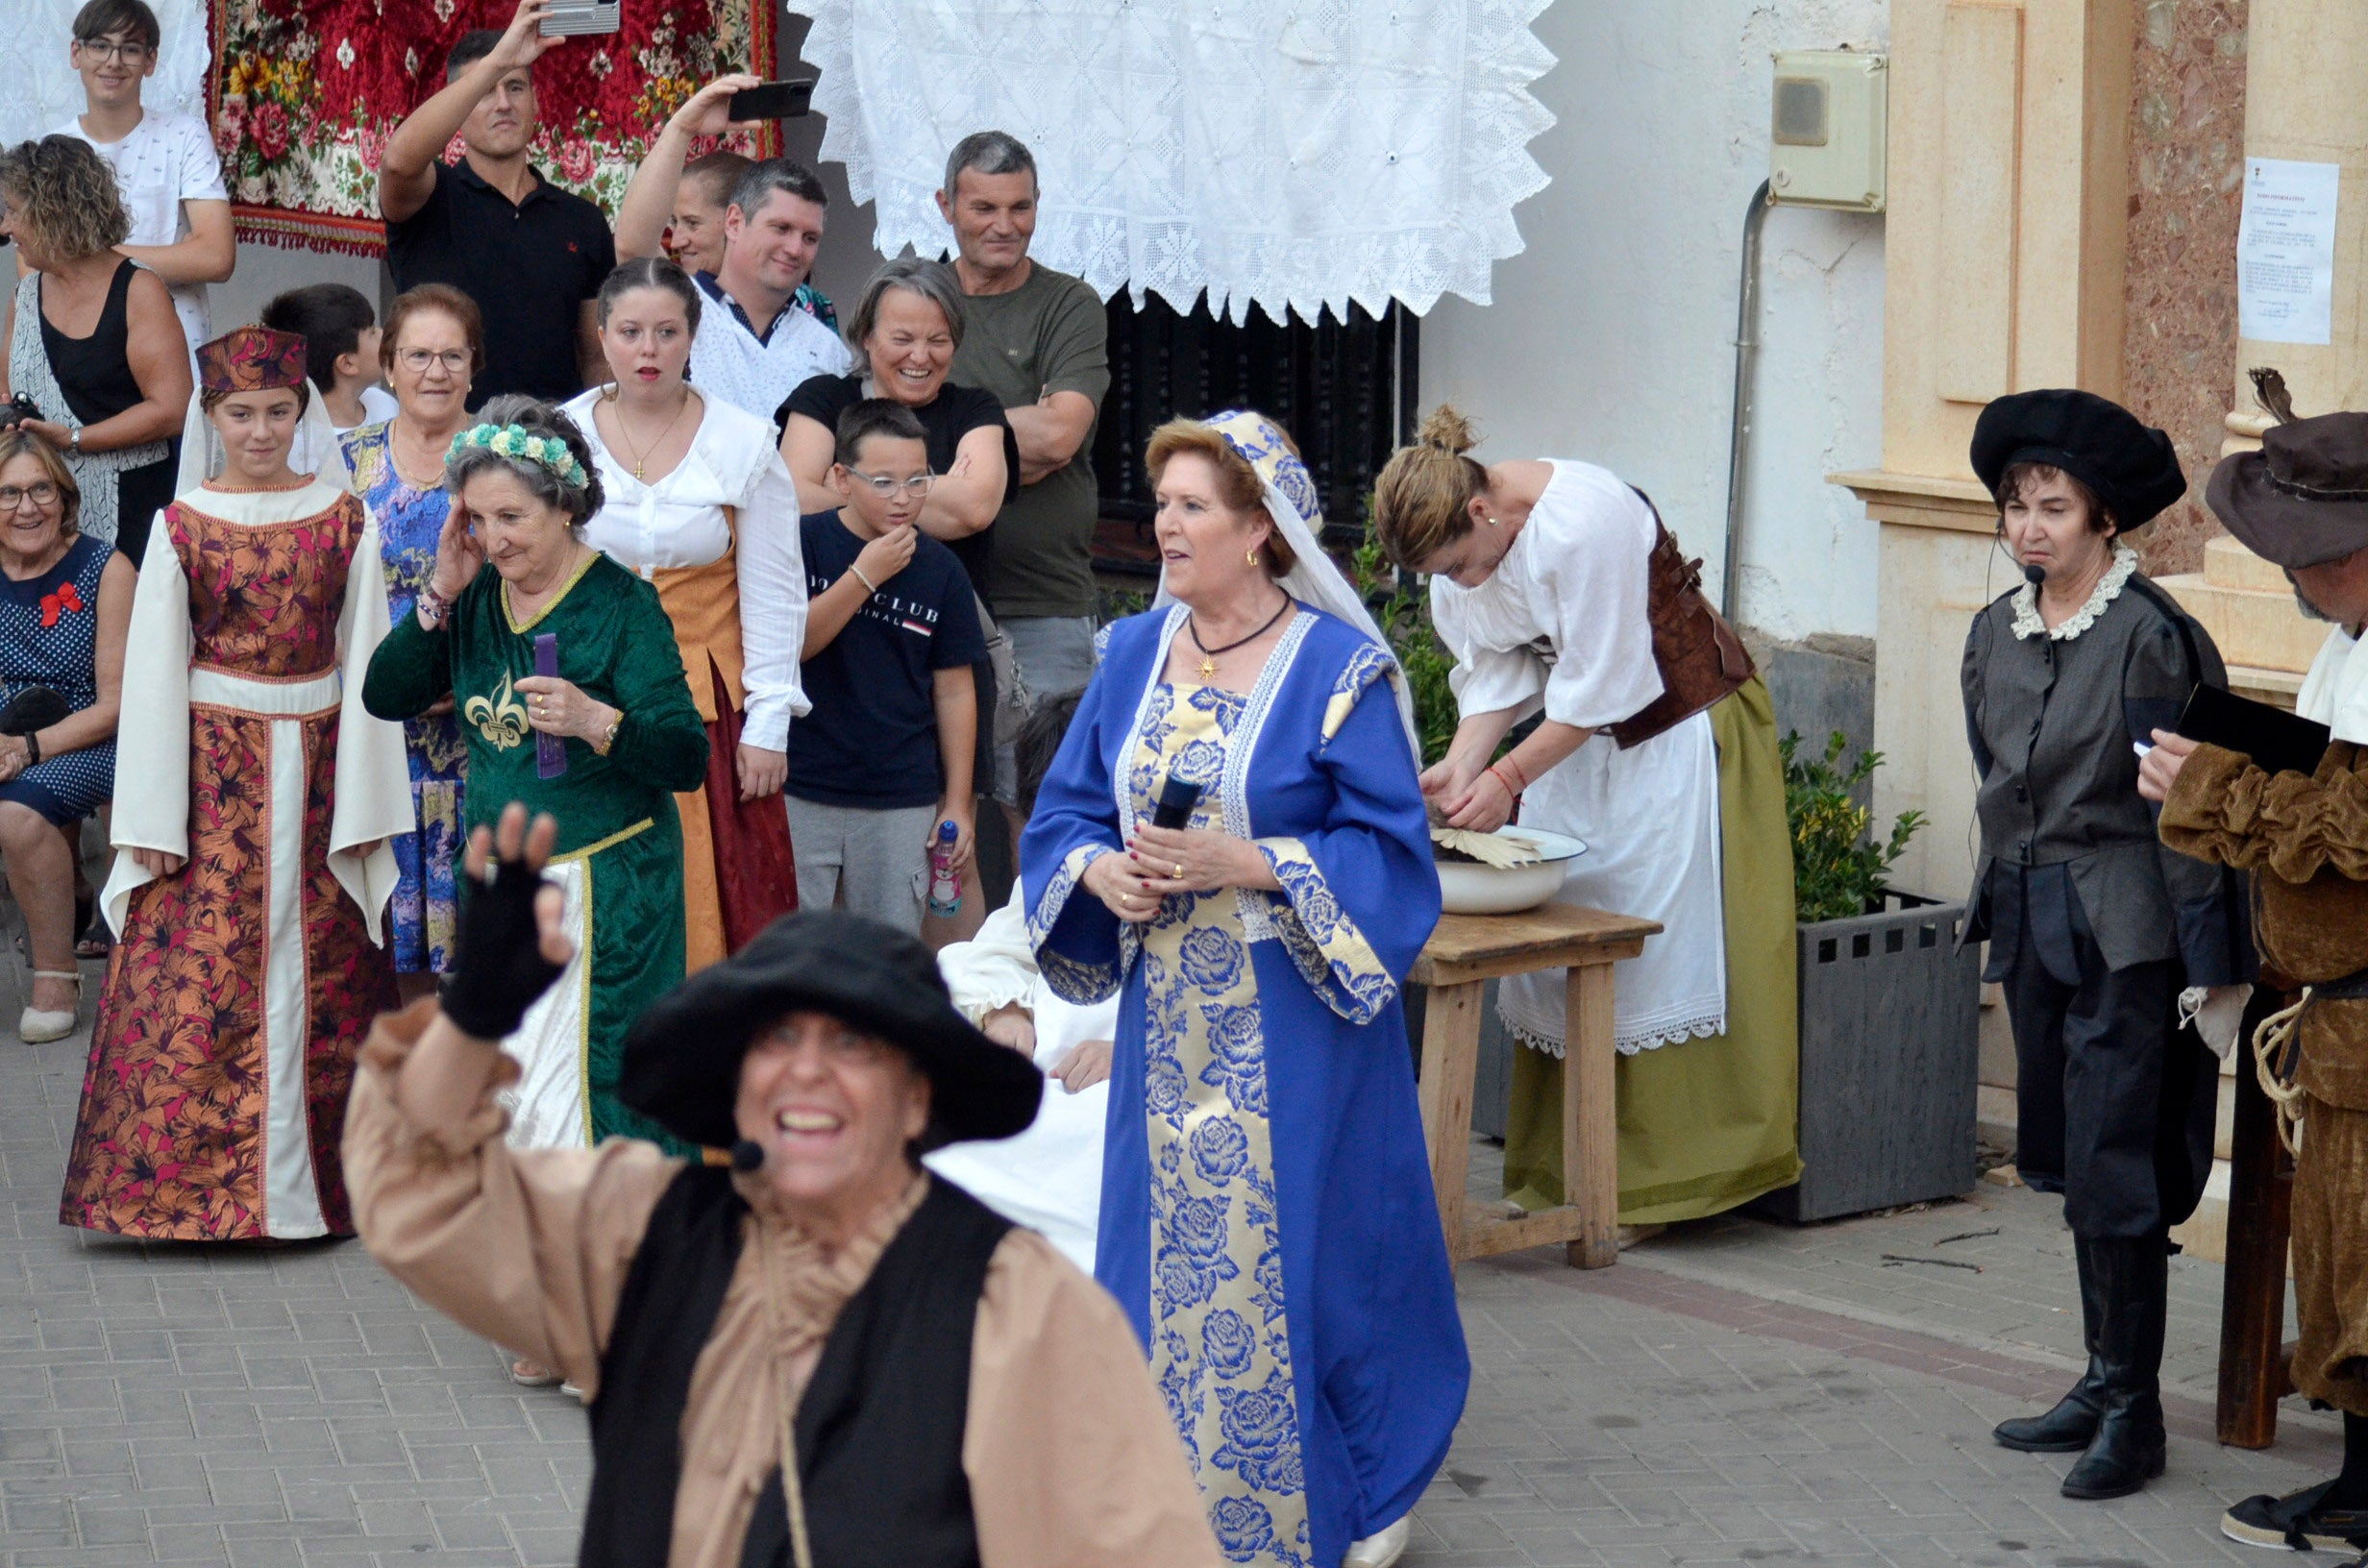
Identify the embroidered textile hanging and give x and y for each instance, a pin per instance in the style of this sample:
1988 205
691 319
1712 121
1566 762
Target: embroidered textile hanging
1298 152
307 91
39 92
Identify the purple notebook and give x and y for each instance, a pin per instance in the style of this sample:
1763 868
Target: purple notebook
550 752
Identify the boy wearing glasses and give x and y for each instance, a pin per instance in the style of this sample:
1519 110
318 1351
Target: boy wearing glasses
165 163
891 633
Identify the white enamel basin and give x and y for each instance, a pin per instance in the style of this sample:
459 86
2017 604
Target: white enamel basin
1469 888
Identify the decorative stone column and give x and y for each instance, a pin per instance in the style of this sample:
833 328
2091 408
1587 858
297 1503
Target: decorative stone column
2302 101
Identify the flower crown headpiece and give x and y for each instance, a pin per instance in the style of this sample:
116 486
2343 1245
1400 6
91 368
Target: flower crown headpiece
516 442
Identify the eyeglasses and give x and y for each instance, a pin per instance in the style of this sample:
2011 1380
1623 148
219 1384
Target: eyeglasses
124 53
41 493
883 486
417 361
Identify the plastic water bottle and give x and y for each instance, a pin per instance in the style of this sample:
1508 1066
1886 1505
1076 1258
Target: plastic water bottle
945 887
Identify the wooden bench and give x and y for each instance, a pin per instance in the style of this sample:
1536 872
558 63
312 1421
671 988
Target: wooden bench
1464 953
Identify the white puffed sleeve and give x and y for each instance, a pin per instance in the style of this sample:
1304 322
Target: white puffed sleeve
1589 544
771 603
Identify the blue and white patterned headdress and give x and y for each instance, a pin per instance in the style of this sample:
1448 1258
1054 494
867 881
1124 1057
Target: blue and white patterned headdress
1297 511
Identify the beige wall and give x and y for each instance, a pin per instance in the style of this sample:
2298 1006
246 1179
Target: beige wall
2003 259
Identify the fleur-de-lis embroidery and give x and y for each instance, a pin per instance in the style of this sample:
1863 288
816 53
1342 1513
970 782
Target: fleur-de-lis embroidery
502 718
54 605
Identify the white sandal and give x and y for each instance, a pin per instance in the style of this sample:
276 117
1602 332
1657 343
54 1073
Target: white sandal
1382 1548
37 1026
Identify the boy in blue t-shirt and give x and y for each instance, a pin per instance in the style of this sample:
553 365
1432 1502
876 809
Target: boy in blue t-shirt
891 633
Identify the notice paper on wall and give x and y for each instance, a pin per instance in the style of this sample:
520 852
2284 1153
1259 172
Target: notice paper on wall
2285 252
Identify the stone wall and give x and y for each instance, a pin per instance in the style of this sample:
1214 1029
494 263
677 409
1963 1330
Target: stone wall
2186 167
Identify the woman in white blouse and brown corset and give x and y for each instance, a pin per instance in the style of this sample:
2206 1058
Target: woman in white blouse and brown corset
699 502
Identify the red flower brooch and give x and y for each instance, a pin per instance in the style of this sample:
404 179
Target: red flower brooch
54 605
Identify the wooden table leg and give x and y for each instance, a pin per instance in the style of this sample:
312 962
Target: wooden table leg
1450 1058
2252 1288
1591 1120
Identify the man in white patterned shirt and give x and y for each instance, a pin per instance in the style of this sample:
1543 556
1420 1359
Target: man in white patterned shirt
165 163
754 346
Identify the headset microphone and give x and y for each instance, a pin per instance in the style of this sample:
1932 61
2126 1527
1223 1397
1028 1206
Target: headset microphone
2035 573
747 1155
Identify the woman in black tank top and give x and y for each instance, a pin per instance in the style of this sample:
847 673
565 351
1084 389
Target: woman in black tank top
114 398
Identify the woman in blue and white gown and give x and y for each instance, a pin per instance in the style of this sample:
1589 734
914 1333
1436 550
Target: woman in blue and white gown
1266 1215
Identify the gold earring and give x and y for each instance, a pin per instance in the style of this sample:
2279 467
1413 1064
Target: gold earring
1251 558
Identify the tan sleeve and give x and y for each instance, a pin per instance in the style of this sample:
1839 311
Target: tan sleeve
1071 1458
2224 809
529 1248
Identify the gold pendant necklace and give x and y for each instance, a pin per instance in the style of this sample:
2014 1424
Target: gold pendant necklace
624 434
1208 654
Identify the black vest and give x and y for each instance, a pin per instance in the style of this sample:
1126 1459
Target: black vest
881 1425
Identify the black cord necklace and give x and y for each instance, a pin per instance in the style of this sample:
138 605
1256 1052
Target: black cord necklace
1208 654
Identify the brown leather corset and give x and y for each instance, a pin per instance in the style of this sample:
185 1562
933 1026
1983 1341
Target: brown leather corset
1700 656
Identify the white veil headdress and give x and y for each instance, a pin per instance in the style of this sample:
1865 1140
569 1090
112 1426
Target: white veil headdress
1298 512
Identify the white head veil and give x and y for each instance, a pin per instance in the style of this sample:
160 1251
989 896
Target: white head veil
1298 512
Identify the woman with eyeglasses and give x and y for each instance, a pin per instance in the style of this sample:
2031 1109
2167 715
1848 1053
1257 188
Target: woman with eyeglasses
905 330
91 338
432 347
66 600
699 503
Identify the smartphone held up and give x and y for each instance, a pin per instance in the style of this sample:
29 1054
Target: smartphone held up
575 18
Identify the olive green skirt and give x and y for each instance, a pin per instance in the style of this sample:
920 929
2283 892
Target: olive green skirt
1704 1124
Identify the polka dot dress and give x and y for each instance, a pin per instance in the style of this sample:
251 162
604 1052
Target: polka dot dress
49 637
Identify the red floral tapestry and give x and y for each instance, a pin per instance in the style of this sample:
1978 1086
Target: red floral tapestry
306 92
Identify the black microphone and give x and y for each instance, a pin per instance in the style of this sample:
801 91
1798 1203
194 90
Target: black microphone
2035 573
1177 799
747 1155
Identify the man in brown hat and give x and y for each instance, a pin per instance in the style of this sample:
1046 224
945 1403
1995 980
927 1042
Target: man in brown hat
807 1352
2301 502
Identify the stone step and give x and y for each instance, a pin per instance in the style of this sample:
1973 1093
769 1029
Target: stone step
2228 564
2249 626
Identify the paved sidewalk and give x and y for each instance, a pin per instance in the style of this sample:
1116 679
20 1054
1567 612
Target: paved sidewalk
1732 1393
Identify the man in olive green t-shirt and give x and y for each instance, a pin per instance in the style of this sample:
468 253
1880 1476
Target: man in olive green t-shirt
1036 339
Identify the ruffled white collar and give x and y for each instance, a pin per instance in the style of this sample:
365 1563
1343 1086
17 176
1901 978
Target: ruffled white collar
2027 621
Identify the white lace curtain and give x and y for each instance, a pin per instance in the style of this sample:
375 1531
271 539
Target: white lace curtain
1287 153
39 92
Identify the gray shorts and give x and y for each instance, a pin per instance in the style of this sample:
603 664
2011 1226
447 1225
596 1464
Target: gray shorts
875 860
1054 654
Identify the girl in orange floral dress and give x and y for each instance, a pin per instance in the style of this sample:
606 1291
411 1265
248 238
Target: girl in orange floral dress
254 798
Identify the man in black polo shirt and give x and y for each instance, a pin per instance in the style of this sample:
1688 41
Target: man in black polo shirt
532 255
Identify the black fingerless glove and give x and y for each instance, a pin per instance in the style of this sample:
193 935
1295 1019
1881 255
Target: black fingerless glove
498 964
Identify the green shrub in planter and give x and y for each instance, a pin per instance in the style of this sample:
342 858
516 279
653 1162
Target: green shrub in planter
1838 868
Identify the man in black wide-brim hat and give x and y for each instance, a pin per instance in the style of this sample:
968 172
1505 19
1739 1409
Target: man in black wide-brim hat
2301 503
805 1352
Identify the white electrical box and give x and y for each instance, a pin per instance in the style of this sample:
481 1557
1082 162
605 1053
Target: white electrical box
1826 136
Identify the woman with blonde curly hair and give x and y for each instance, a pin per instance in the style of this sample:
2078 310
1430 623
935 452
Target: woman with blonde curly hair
92 339
1556 587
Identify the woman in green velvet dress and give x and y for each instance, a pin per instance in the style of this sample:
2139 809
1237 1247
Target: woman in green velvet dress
511 570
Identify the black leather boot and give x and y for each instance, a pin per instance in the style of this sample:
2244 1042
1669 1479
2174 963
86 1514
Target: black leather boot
2072 1425
2134 1279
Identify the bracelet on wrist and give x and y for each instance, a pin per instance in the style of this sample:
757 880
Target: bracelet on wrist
1504 783
32 747
608 736
433 607
868 585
